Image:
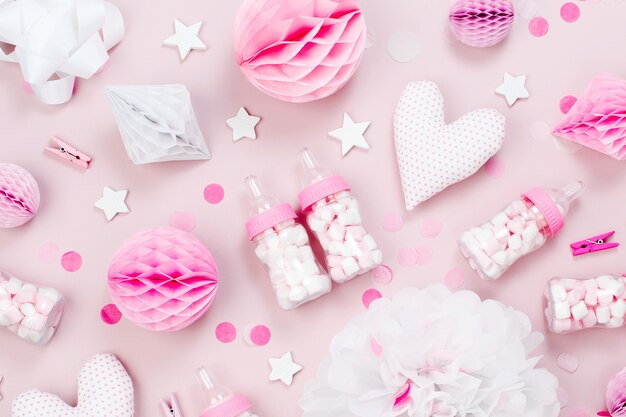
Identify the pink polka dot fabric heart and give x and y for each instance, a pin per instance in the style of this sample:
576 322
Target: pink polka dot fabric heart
433 155
104 390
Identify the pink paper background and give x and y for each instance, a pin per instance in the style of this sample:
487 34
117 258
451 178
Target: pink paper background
559 64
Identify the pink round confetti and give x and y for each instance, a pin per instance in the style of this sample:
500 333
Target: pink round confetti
430 228
424 254
570 12
392 222
71 261
578 412
369 296
226 332
455 278
567 362
495 167
260 335
213 193
567 103
563 396
382 275
407 256
183 220
110 314
48 252
377 349
538 26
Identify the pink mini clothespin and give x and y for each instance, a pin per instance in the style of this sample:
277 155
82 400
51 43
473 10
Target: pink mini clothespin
171 408
593 244
69 153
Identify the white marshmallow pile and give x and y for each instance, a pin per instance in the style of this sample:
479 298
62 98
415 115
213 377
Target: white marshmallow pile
350 251
30 312
296 276
496 245
582 304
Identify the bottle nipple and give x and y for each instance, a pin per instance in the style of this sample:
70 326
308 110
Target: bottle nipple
313 173
260 201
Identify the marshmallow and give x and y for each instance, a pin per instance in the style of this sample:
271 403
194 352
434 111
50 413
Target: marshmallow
562 310
558 292
579 311
603 314
618 308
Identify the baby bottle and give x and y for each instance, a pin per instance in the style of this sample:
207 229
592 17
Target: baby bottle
220 401
575 304
282 246
333 215
522 227
30 312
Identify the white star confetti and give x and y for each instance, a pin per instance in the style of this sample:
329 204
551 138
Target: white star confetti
112 202
284 368
186 38
513 88
351 135
243 125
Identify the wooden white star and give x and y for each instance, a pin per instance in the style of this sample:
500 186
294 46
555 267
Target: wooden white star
243 125
350 135
513 88
186 38
284 368
112 202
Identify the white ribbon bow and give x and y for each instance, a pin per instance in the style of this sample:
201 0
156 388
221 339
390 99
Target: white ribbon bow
58 40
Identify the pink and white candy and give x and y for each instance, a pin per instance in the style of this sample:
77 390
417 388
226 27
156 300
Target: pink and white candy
19 196
350 251
574 304
30 312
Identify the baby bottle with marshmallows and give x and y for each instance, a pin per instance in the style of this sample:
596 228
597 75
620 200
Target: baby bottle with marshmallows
220 401
282 246
522 227
333 215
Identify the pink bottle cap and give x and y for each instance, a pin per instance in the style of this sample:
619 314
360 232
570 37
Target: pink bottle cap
268 219
233 407
322 189
547 208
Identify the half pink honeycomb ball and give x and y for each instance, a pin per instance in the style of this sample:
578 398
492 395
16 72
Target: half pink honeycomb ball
482 23
163 279
19 196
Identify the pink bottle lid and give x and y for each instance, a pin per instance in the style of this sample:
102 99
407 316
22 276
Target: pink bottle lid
547 207
233 407
322 189
259 223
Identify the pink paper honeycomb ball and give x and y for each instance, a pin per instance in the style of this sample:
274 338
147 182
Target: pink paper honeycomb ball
163 279
482 23
19 196
299 50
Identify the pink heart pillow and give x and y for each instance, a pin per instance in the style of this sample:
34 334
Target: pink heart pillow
433 155
104 390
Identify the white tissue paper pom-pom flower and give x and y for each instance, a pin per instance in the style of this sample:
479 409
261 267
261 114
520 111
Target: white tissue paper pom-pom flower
433 353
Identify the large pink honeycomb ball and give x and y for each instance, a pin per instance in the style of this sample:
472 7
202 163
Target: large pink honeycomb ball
163 279
19 196
482 23
299 50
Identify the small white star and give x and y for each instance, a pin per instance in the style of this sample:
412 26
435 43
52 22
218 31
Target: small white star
186 38
513 88
284 369
350 135
243 125
112 202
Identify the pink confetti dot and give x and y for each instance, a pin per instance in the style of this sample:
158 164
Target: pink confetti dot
455 278
538 26
563 396
567 103
48 252
578 412
213 193
570 12
495 167
567 362
183 220
110 314
260 335
424 254
377 349
430 228
382 274
392 222
226 332
369 296
407 256
71 261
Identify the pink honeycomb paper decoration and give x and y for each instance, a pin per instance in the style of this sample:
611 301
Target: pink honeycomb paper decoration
482 23
299 50
163 279
19 196
598 119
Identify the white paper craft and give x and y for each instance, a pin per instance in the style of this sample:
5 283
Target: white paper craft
157 123
284 368
58 40
112 202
